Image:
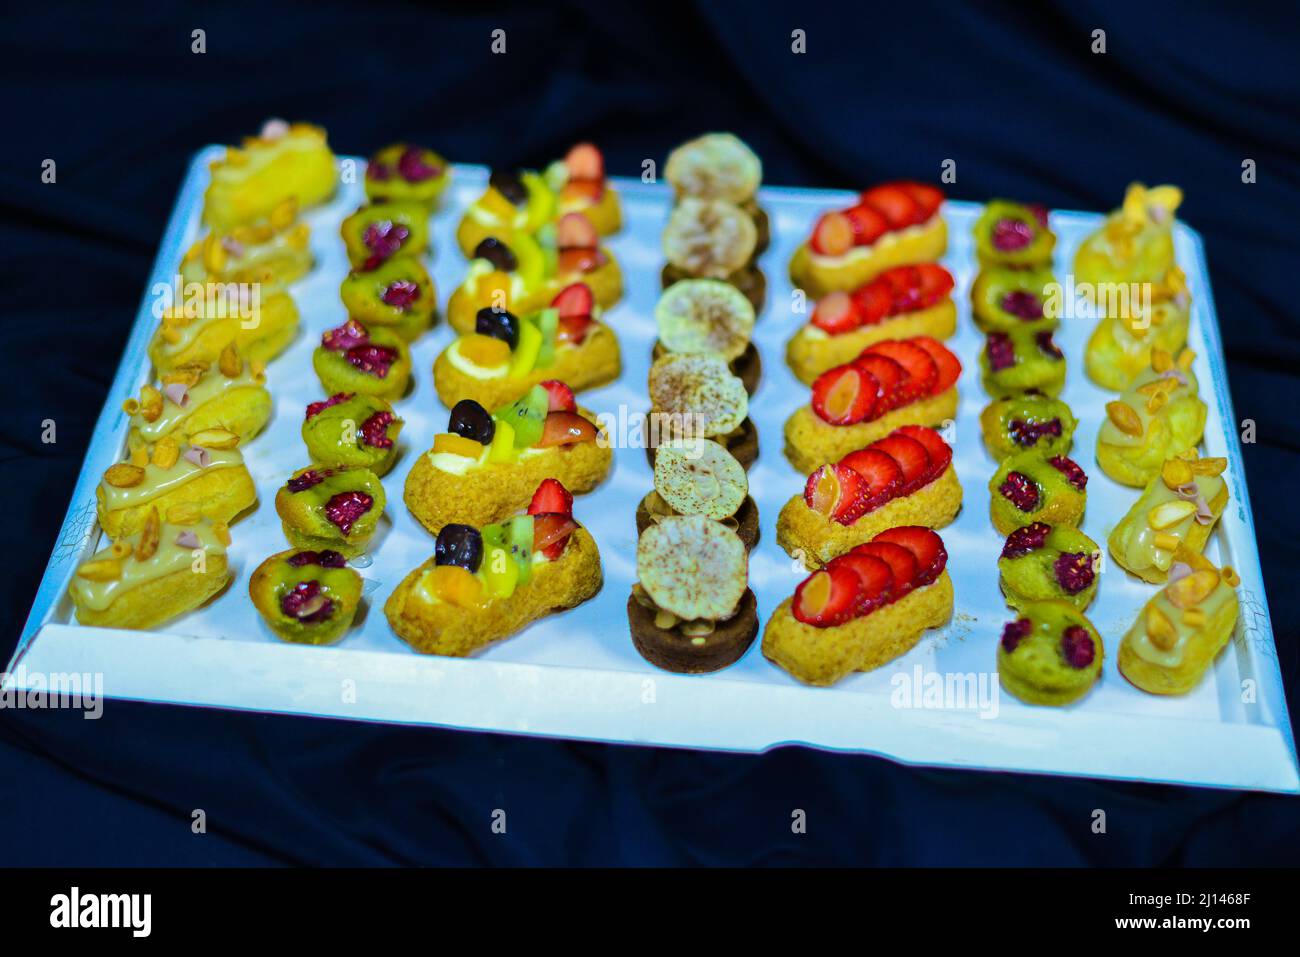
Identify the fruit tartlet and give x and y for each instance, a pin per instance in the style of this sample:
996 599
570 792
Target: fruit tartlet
1042 562
353 358
899 303
283 162
1030 488
713 239
891 384
709 317
906 478
694 397
378 232
275 251
1014 235
507 355
691 610
1029 421
1050 655
230 394
1177 512
485 584
1136 242
1022 361
720 166
405 173
700 477
1157 417
331 508
893 224
1004 299
306 597
579 182
170 565
398 294
515 202
260 323
206 471
486 466
1182 629
1121 345
864 608
352 430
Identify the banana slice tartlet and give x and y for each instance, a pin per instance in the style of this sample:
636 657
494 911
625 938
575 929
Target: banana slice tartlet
1160 415
694 397
285 161
230 395
721 166
709 317
713 239
700 477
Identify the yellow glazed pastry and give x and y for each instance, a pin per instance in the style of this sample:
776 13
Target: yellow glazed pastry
1121 345
229 395
1135 244
1183 628
260 322
275 251
158 572
1177 512
1158 416
284 161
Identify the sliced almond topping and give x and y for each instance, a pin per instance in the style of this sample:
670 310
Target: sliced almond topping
1161 360
222 531
214 439
147 546
124 475
166 453
284 213
1157 402
151 403
1193 617
1185 359
1230 576
1125 417
1165 542
120 550
1175 473
1193 589
1160 629
1211 466
1168 514
130 406
693 567
229 362
101 570
1153 387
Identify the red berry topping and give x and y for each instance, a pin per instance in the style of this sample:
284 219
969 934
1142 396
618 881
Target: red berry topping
1001 353
1074 571
574 231
328 558
845 395
1027 539
912 459
929 198
1015 632
949 365
1071 470
551 533
1018 489
1011 234
1022 304
300 483
372 359
922 371
413 168
566 428
315 408
551 497
895 203
584 162
1046 346
1028 433
866 223
345 508
351 333
383 239
574 301
901 562
580 260
829 596
838 492
574 329
1077 647
1039 211
915 287
306 602
875 301
926 547
374 431
836 313
875 580
892 378
832 236
560 396
400 293
882 477
938 450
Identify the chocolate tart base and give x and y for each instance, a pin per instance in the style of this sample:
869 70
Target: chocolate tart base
747 367
743 445
712 652
762 226
746 521
748 279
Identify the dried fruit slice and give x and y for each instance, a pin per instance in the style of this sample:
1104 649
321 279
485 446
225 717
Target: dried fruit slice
912 459
566 428
900 561
700 477
828 597
838 492
938 450
709 237
704 316
881 473
693 567
922 370
701 391
714 166
845 395
949 365
925 545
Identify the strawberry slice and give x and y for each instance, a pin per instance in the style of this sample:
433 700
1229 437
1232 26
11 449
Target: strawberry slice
935 447
922 370
916 287
926 547
585 162
586 191
551 533
832 236
882 477
895 203
575 231
838 492
874 301
888 373
561 398
928 197
949 365
867 224
574 299
579 260
551 497
573 329
875 580
827 597
844 395
836 313
911 457
566 428
936 283
900 561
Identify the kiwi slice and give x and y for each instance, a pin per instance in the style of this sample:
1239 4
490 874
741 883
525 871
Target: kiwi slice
548 323
527 416
519 542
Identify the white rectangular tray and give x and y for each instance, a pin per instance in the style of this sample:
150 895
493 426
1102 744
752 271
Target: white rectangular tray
576 675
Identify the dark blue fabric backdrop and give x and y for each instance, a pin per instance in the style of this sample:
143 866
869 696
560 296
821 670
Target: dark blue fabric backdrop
1183 94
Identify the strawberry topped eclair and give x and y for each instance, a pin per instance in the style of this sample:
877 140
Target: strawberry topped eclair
900 302
891 225
892 383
